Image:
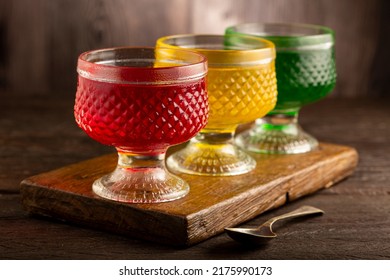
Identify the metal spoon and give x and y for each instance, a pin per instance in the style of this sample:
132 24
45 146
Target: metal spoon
264 233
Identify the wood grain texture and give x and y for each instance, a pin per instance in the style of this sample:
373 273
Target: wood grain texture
66 194
86 25
356 23
41 40
25 45
38 134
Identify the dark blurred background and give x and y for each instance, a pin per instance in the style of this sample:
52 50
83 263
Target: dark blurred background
40 40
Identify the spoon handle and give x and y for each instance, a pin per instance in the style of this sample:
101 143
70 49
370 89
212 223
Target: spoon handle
301 211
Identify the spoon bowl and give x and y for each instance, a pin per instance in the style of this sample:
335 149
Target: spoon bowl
264 232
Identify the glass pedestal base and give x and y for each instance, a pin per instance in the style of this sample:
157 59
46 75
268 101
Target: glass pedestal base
206 156
277 134
140 179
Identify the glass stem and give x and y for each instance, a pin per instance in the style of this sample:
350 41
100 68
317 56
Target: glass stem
216 137
281 120
138 162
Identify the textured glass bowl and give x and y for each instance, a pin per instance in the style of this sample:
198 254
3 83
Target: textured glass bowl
305 71
241 86
141 101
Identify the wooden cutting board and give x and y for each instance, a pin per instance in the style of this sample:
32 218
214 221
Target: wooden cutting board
212 204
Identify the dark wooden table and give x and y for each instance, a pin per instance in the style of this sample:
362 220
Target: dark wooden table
38 134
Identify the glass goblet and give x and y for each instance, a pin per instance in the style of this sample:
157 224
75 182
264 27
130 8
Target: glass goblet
241 85
305 72
141 104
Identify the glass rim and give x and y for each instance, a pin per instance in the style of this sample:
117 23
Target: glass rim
226 57
322 39
185 72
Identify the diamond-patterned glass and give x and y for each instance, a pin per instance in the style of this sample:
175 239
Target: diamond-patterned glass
141 117
240 95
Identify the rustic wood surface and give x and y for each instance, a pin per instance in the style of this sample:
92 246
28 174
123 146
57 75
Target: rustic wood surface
41 39
38 134
66 194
